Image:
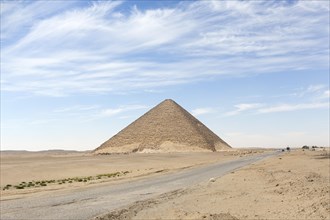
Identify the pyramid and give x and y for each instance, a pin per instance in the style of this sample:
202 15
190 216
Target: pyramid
165 128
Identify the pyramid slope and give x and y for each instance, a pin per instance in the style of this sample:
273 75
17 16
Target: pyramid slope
166 127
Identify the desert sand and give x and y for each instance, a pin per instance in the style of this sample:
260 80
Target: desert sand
17 167
294 185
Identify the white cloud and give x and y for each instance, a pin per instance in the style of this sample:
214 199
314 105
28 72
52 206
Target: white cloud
111 112
293 107
58 49
115 111
309 97
262 108
76 108
315 88
243 107
326 94
202 111
18 17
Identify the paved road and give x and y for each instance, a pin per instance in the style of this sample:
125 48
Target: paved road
86 203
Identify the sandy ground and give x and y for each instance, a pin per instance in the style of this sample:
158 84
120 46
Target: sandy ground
17 167
294 185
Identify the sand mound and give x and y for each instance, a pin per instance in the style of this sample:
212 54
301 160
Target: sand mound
165 128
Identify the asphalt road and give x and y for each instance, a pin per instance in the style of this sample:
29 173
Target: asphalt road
86 203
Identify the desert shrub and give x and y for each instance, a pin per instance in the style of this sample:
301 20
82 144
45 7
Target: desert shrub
7 187
29 185
41 183
22 185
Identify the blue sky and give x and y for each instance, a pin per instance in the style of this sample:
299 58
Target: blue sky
74 73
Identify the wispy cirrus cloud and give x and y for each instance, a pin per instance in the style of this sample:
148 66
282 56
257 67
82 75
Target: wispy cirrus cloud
310 97
95 47
320 91
243 108
109 112
317 90
76 108
293 107
202 111
263 108
325 95
18 17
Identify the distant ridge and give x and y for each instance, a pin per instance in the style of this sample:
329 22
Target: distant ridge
165 128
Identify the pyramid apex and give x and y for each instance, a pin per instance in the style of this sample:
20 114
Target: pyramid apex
168 102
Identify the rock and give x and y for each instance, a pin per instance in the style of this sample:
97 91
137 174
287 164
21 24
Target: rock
212 180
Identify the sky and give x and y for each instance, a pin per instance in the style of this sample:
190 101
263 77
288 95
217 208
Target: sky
74 73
